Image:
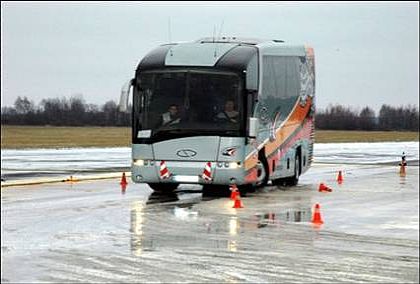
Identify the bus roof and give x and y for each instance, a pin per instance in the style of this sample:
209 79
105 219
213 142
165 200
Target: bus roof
226 52
250 41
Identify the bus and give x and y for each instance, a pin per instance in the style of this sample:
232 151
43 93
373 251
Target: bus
222 111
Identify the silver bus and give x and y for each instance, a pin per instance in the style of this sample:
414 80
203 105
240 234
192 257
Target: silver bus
222 111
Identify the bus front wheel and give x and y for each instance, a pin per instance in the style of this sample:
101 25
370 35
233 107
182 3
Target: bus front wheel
262 173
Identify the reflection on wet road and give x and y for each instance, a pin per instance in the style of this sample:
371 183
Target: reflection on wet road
100 232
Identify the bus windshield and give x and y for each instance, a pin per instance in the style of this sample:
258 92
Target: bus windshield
171 104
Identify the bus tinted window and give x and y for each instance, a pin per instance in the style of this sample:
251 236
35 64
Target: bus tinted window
194 102
281 84
252 74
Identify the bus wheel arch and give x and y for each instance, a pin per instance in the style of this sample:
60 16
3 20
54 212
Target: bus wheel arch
298 158
297 167
297 171
263 172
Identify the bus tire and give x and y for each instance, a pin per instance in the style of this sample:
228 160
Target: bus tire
216 190
246 188
164 187
263 175
279 181
295 178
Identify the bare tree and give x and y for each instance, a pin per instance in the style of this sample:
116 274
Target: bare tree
367 119
24 106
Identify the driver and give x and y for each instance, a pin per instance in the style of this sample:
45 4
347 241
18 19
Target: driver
171 116
229 113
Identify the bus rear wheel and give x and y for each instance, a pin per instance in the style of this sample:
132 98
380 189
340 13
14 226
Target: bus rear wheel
164 187
295 178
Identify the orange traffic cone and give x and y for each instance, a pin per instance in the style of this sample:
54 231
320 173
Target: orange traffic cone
123 180
340 178
271 217
323 187
238 202
123 188
234 192
72 179
316 218
402 170
402 165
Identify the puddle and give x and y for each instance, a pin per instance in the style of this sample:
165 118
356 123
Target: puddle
291 215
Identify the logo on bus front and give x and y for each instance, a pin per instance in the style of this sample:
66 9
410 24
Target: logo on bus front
186 153
229 151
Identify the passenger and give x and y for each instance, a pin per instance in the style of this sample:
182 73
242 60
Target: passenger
229 113
172 116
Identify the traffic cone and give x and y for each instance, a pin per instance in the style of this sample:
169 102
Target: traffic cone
238 202
164 172
316 218
402 170
271 217
323 187
207 172
72 179
402 165
123 188
340 178
234 191
123 180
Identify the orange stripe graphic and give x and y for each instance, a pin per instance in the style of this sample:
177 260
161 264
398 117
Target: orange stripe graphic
283 133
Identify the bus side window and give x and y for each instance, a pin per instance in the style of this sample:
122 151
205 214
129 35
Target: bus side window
287 84
252 74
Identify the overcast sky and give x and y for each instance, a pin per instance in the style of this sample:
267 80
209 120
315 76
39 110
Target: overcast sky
366 54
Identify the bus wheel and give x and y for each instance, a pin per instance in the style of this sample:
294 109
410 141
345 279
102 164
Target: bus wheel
262 173
290 181
246 188
295 178
216 190
163 187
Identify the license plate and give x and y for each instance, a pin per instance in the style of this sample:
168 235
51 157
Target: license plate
180 178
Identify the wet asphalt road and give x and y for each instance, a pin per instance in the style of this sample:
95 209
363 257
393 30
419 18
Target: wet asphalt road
94 232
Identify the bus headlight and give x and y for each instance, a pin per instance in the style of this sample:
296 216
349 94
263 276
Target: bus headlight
138 162
234 165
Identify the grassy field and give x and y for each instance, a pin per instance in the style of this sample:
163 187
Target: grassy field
58 137
335 136
16 137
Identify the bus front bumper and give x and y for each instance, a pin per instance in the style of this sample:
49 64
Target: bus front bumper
190 172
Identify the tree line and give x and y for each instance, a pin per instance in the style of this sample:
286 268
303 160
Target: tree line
64 112
337 117
76 112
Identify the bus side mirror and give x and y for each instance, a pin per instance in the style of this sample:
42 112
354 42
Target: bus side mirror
253 127
125 93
